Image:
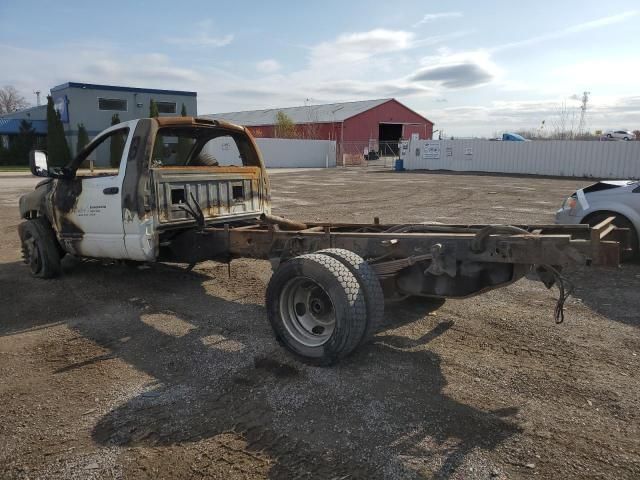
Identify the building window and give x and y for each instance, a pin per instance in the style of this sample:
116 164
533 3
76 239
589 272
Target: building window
166 107
116 104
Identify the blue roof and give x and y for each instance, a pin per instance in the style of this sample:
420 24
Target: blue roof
93 86
11 126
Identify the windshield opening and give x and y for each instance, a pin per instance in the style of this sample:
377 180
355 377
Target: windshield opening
202 147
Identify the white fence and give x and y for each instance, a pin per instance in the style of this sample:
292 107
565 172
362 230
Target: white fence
554 158
278 152
291 153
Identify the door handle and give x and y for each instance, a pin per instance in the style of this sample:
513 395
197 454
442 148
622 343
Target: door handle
111 190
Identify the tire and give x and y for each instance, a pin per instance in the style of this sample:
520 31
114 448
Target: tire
620 221
609 135
40 248
369 282
317 308
626 138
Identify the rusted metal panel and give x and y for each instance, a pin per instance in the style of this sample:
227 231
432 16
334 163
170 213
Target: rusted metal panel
218 191
554 249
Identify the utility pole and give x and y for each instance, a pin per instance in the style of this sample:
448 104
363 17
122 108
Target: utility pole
37 92
583 112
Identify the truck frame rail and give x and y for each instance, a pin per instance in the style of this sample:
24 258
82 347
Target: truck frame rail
422 259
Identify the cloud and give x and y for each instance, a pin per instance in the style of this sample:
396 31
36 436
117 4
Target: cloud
601 22
147 68
357 46
456 70
93 64
352 53
455 76
570 30
326 92
618 71
202 37
430 17
372 89
268 66
497 116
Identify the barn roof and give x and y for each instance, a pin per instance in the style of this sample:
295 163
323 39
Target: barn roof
331 112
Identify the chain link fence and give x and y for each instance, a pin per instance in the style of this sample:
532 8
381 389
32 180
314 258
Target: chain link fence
372 153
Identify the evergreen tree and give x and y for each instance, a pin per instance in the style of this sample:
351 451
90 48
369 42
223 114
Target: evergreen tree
4 155
83 138
153 109
22 144
158 146
117 144
57 148
184 143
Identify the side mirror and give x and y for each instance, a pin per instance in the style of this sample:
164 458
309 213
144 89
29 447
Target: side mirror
38 163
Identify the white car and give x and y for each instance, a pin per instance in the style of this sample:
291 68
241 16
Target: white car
607 198
620 134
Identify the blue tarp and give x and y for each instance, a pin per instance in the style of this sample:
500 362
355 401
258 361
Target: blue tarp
11 126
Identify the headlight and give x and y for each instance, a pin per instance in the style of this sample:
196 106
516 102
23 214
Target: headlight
570 203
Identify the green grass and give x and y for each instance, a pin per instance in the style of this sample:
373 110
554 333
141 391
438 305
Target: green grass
14 168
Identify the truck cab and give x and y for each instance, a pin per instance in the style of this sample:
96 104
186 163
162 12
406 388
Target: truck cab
165 176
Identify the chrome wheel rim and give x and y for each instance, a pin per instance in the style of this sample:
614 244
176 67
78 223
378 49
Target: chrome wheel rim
307 312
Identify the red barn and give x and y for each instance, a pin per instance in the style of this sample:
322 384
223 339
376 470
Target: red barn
384 120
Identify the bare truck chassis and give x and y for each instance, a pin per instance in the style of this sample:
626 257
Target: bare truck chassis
402 260
190 190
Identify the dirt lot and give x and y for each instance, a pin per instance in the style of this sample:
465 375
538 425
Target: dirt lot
114 372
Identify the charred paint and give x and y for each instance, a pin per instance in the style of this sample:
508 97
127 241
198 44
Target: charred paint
65 197
35 203
69 229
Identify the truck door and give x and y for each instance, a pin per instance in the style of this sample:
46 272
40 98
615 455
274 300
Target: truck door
92 224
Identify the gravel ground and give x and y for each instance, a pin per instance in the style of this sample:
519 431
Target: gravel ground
114 372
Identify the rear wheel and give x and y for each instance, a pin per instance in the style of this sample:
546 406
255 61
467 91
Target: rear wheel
40 249
620 221
317 308
369 283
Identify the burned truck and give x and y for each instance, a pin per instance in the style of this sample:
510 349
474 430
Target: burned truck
188 190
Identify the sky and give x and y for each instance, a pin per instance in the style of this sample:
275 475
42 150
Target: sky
473 68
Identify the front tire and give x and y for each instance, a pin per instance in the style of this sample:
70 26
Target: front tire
40 248
317 308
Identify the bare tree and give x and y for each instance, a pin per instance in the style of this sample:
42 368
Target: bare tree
311 129
564 123
11 100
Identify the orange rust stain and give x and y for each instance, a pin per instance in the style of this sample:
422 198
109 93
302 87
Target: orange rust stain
251 171
196 122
